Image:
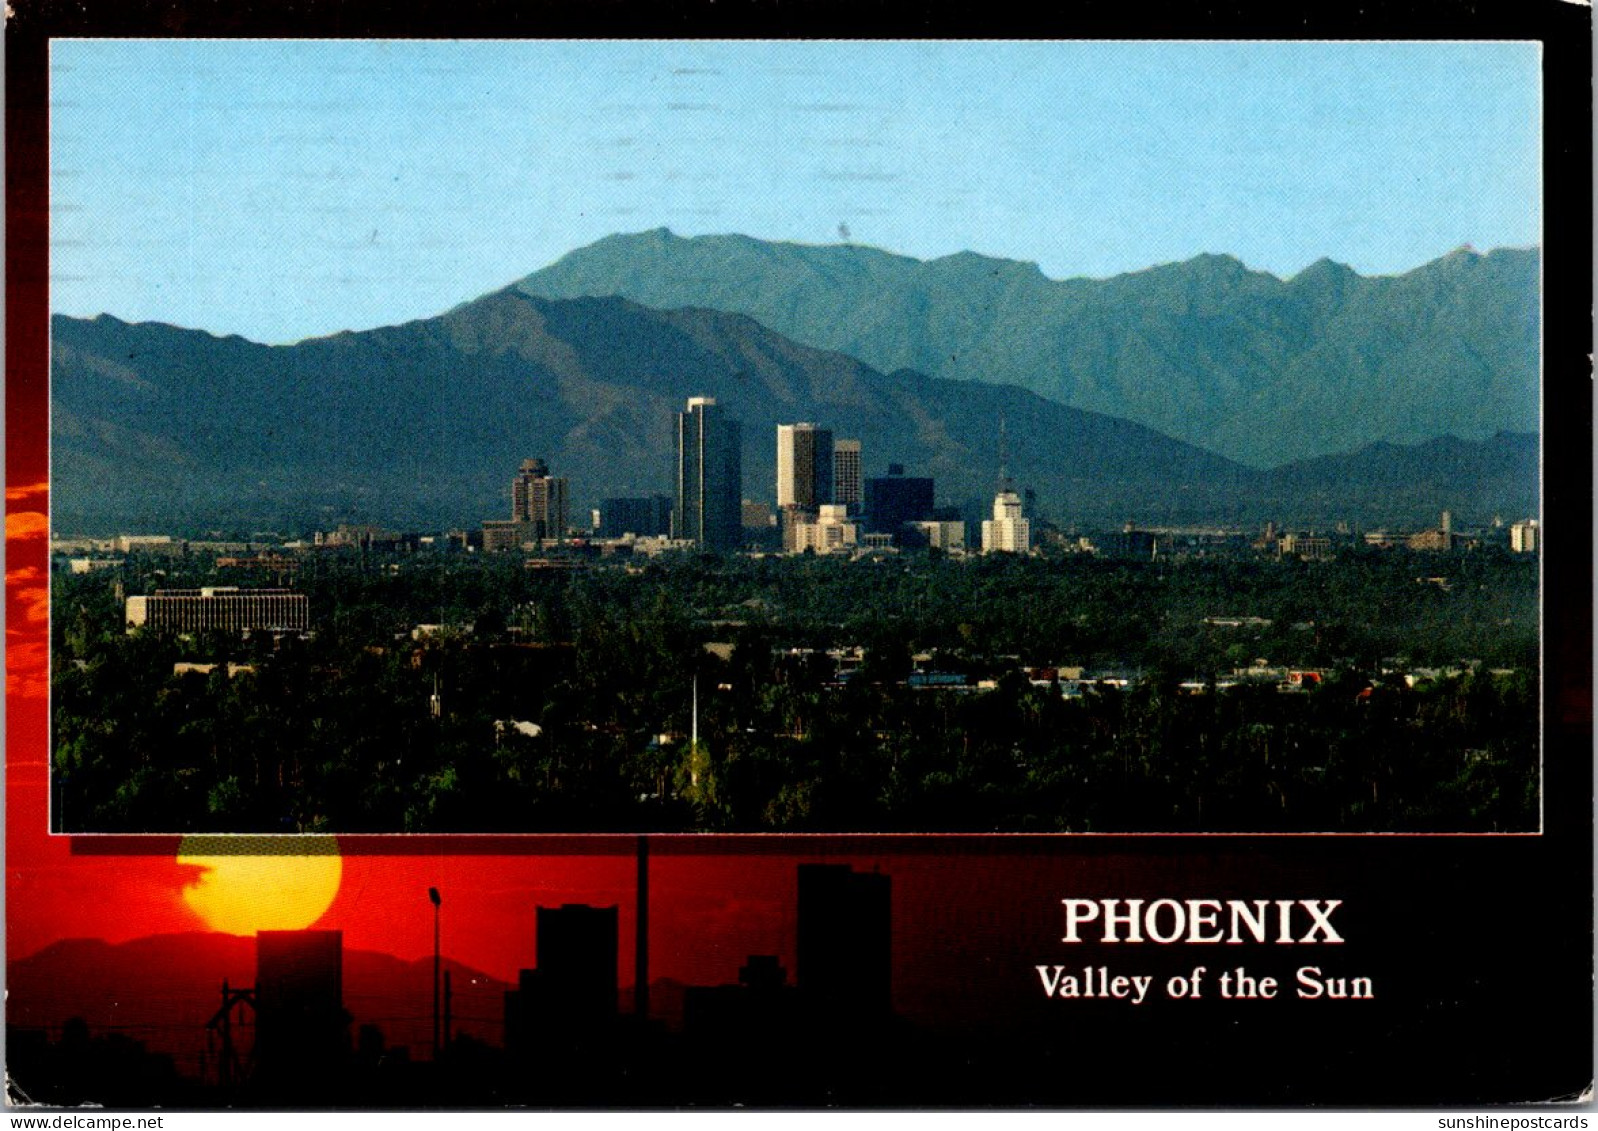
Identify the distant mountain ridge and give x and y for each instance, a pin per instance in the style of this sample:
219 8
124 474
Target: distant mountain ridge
425 423
422 425
161 989
1410 478
1259 369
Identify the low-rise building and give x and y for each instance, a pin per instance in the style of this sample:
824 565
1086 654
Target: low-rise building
939 535
508 534
1430 540
1307 547
643 517
1524 537
91 565
159 545
831 531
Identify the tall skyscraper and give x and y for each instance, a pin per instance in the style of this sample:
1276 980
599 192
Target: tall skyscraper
1006 532
845 940
572 993
301 1029
539 501
804 465
846 481
577 959
709 476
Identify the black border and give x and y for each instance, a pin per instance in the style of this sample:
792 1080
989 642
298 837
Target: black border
1484 911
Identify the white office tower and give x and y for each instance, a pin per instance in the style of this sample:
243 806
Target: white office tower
1006 532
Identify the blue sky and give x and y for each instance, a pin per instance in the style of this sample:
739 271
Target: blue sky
282 190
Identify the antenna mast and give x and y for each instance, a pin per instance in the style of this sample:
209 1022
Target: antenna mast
1004 456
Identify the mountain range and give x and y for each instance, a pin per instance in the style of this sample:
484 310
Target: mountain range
162 989
1256 368
422 425
425 423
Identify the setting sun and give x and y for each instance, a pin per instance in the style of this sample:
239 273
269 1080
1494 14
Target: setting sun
252 884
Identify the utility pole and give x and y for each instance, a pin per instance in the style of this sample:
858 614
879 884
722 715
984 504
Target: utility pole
228 1069
437 900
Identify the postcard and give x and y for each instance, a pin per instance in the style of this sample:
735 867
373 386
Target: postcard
744 571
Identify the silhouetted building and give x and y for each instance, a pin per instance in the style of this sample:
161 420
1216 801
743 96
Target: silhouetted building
895 500
845 937
82 1069
577 956
573 990
804 466
847 487
709 476
760 1004
301 1029
220 609
646 517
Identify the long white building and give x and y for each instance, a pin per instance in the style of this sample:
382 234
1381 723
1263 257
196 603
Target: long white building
221 609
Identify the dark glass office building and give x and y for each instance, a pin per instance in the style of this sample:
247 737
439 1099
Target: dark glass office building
895 500
645 517
709 476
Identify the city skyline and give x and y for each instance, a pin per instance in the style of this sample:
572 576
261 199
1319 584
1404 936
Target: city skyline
304 1040
192 183
821 498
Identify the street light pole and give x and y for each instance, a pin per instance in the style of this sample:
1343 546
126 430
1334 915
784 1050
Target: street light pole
432 894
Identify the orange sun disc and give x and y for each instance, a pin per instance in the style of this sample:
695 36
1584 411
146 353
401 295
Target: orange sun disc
252 884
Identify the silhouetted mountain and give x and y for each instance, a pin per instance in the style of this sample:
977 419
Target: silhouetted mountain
1260 369
163 989
425 423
